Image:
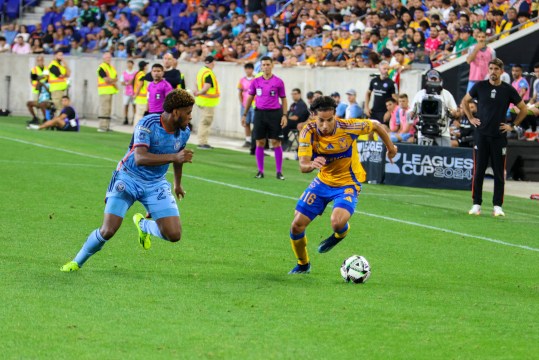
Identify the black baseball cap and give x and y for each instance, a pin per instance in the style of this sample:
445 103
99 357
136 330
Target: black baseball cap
209 59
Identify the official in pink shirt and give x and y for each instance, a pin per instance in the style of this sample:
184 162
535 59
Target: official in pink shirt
270 115
157 90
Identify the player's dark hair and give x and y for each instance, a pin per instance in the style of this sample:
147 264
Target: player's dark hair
158 66
296 90
323 103
390 99
177 99
518 66
65 97
403 96
536 65
266 58
496 61
249 66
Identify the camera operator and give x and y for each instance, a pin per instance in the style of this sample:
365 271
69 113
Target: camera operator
434 106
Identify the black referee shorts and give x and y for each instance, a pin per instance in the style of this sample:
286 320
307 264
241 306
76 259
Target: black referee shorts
267 124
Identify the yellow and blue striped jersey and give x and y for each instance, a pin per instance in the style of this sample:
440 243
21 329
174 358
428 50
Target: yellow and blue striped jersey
342 166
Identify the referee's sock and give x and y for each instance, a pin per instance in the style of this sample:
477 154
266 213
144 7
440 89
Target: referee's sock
259 153
278 158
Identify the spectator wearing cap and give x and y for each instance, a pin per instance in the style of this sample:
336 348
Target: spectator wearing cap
340 111
353 110
356 41
207 97
524 20
479 56
381 87
464 41
141 92
478 20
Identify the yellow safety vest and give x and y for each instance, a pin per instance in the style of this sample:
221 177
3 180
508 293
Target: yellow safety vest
56 83
142 97
102 87
212 97
36 70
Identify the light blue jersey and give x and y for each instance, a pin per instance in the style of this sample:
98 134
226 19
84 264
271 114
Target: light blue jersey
151 134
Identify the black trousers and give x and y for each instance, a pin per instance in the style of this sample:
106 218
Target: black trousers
487 149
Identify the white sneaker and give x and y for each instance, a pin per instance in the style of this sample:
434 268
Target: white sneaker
475 210
498 211
32 127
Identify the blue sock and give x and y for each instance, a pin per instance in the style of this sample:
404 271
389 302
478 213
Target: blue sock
93 244
150 227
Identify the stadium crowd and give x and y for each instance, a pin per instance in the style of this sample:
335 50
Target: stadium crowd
345 33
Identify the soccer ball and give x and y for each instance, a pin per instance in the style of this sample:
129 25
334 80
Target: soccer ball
356 269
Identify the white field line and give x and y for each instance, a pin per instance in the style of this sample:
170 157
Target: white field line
410 223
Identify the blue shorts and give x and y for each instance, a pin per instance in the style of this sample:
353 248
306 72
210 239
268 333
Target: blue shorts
318 195
250 115
156 196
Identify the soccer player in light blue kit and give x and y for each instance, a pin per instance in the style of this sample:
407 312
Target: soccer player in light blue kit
158 140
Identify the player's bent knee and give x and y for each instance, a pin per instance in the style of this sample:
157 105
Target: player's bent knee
172 235
107 232
297 228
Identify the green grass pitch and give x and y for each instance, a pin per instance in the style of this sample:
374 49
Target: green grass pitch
445 285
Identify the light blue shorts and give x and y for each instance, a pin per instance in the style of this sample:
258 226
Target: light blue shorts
318 195
156 196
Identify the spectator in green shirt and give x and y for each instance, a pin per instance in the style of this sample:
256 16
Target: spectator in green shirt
464 41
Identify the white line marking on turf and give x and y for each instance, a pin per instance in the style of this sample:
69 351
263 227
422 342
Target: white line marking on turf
411 223
38 163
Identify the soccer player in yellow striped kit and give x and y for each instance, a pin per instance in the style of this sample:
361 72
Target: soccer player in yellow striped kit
329 144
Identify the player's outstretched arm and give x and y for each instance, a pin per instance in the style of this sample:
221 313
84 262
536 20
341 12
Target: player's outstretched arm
382 133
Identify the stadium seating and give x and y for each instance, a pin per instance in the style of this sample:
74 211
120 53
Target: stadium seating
12 9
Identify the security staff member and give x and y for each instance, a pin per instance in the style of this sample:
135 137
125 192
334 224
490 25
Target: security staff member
207 97
106 87
36 75
58 75
493 98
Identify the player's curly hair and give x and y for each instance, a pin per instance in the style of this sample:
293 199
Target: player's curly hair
177 99
323 103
